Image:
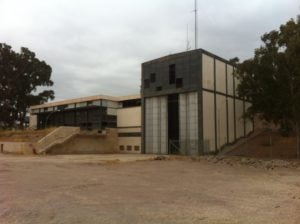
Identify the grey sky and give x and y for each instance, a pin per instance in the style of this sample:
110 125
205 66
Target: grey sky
97 46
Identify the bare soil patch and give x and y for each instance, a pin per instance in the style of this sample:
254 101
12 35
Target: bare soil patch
84 189
268 145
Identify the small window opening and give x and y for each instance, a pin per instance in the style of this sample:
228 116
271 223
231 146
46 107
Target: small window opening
129 148
172 74
159 88
152 77
179 83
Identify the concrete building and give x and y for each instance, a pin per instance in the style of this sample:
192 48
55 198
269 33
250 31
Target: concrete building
190 104
95 114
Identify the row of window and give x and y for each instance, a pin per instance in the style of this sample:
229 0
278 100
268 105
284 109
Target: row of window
130 148
172 79
103 103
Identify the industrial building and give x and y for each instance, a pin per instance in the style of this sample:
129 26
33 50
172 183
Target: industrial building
95 114
190 105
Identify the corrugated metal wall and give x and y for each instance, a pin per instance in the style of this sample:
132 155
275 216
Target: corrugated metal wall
156 128
188 116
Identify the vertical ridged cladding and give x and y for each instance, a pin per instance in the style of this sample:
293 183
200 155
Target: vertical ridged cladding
200 107
156 129
188 110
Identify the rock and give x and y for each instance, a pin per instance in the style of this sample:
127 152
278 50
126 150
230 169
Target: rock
160 158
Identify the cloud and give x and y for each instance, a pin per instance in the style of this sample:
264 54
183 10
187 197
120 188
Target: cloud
97 46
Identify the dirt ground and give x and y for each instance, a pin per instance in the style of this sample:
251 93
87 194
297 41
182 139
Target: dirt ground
118 189
268 145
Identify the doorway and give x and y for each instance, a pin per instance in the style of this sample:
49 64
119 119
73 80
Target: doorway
173 124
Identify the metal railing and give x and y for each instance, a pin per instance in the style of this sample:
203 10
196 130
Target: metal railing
184 147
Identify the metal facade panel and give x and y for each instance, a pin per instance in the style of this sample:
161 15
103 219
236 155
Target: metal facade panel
208 122
149 125
188 123
156 125
221 121
207 72
163 125
220 76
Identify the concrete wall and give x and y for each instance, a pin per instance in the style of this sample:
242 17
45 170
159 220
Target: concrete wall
85 143
129 130
156 125
58 136
23 148
129 117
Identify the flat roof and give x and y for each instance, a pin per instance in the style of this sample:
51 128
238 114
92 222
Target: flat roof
185 53
86 99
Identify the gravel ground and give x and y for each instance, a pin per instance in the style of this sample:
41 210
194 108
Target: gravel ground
118 189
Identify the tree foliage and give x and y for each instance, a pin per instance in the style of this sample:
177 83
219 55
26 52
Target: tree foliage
271 79
21 74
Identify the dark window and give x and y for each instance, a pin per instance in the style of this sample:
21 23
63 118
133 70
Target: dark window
130 134
152 77
122 148
131 103
129 148
136 148
159 88
172 74
179 83
146 83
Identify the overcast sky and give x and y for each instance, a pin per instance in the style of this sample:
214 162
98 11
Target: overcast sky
97 46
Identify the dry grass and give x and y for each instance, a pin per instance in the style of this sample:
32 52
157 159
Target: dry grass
24 135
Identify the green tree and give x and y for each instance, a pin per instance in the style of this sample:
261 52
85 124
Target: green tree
272 78
21 75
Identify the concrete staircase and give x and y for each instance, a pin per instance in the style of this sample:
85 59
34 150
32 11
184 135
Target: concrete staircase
56 137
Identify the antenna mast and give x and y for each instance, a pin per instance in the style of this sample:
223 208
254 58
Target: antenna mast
196 24
188 47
